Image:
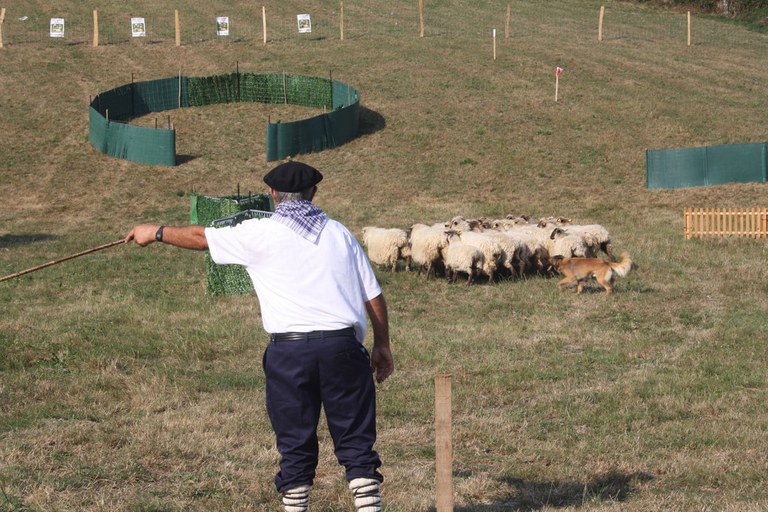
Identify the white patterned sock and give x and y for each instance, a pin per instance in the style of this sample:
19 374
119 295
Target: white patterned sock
296 499
366 493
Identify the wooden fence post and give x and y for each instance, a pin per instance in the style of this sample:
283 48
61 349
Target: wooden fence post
443 445
689 28
600 24
421 18
178 27
506 22
95 28
341 20
2 20
264 22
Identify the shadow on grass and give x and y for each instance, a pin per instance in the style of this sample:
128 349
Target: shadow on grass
610 487
182 159
7 241
371 121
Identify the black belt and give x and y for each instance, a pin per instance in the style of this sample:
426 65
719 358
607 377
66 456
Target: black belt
311 335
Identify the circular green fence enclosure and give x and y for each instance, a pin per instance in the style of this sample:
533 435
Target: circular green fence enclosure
110 111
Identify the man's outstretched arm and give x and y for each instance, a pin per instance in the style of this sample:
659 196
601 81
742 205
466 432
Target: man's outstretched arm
186 237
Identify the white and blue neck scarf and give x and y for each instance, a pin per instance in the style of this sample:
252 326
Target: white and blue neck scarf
302 217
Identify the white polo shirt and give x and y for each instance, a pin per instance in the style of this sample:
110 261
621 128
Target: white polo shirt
301 286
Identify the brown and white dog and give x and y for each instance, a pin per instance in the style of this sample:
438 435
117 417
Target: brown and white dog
578 270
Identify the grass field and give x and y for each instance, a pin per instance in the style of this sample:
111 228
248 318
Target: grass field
124 387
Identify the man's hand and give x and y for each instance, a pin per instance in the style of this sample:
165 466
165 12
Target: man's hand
143 234
382 363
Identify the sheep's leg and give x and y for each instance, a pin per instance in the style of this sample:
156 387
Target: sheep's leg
607 248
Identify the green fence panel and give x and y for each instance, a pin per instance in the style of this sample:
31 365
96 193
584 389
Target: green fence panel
97 130
736 163
138 144
141 145
212 90
709 165
224 211
116 103
159 95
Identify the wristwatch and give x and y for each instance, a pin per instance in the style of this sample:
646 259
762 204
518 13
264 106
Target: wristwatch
159 234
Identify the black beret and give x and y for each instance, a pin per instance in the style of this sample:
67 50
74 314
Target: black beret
292 177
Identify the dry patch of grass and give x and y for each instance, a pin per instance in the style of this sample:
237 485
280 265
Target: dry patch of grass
124 387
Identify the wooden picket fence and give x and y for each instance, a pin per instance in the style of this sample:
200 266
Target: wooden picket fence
724 222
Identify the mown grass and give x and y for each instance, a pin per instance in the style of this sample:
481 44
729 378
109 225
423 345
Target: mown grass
123 386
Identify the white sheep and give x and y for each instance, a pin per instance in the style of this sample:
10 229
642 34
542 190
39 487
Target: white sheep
535 239
461 257
427 244
595 236
491 249
386 246
567 245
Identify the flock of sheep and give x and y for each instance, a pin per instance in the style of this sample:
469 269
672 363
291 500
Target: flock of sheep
511 247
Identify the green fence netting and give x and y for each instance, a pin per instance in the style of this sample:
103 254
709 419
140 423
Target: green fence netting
212 211
339 125
708 165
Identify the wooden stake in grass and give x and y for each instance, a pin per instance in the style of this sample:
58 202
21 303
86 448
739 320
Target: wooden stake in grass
341 20
494 44
600 24
421 18
264 23
443 445
689 28
558 72
2 20
506 22
95 28
178 28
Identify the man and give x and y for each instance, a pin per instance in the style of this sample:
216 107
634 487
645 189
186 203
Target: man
315 286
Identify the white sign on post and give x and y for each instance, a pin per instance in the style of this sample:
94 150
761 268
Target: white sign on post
138 27
305 23
57 27
222 26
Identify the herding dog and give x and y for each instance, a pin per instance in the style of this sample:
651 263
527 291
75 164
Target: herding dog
578 270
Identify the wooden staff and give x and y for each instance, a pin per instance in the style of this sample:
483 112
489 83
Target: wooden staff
443 445
689 28
494 44
60 260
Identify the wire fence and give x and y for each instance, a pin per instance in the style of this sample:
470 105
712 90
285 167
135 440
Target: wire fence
200 22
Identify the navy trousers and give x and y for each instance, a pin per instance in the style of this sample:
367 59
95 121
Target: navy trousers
333 373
